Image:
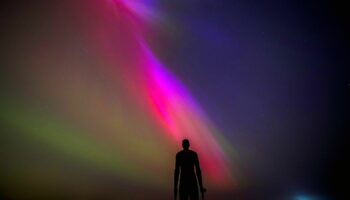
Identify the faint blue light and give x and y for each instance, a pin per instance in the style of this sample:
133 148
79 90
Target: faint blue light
303 197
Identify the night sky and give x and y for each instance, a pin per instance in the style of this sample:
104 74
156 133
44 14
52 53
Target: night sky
272 76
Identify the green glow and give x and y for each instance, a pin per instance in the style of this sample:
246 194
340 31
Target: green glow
72 141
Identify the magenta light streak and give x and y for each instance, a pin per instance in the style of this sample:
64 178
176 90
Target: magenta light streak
181 117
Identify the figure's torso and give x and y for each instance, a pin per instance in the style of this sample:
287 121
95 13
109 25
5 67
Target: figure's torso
186 160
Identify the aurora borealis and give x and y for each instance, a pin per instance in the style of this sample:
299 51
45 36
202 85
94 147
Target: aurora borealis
97 95
125 114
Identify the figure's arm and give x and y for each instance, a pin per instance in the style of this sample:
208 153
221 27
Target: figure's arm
199 173
176 176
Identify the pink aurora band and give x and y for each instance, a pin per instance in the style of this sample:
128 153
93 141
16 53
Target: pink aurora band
119 32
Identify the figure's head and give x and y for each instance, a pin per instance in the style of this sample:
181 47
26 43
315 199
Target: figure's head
185 143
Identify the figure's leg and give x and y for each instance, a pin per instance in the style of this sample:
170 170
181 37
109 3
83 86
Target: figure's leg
183 194
194 194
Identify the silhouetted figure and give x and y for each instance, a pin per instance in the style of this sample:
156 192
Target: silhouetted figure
186 162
